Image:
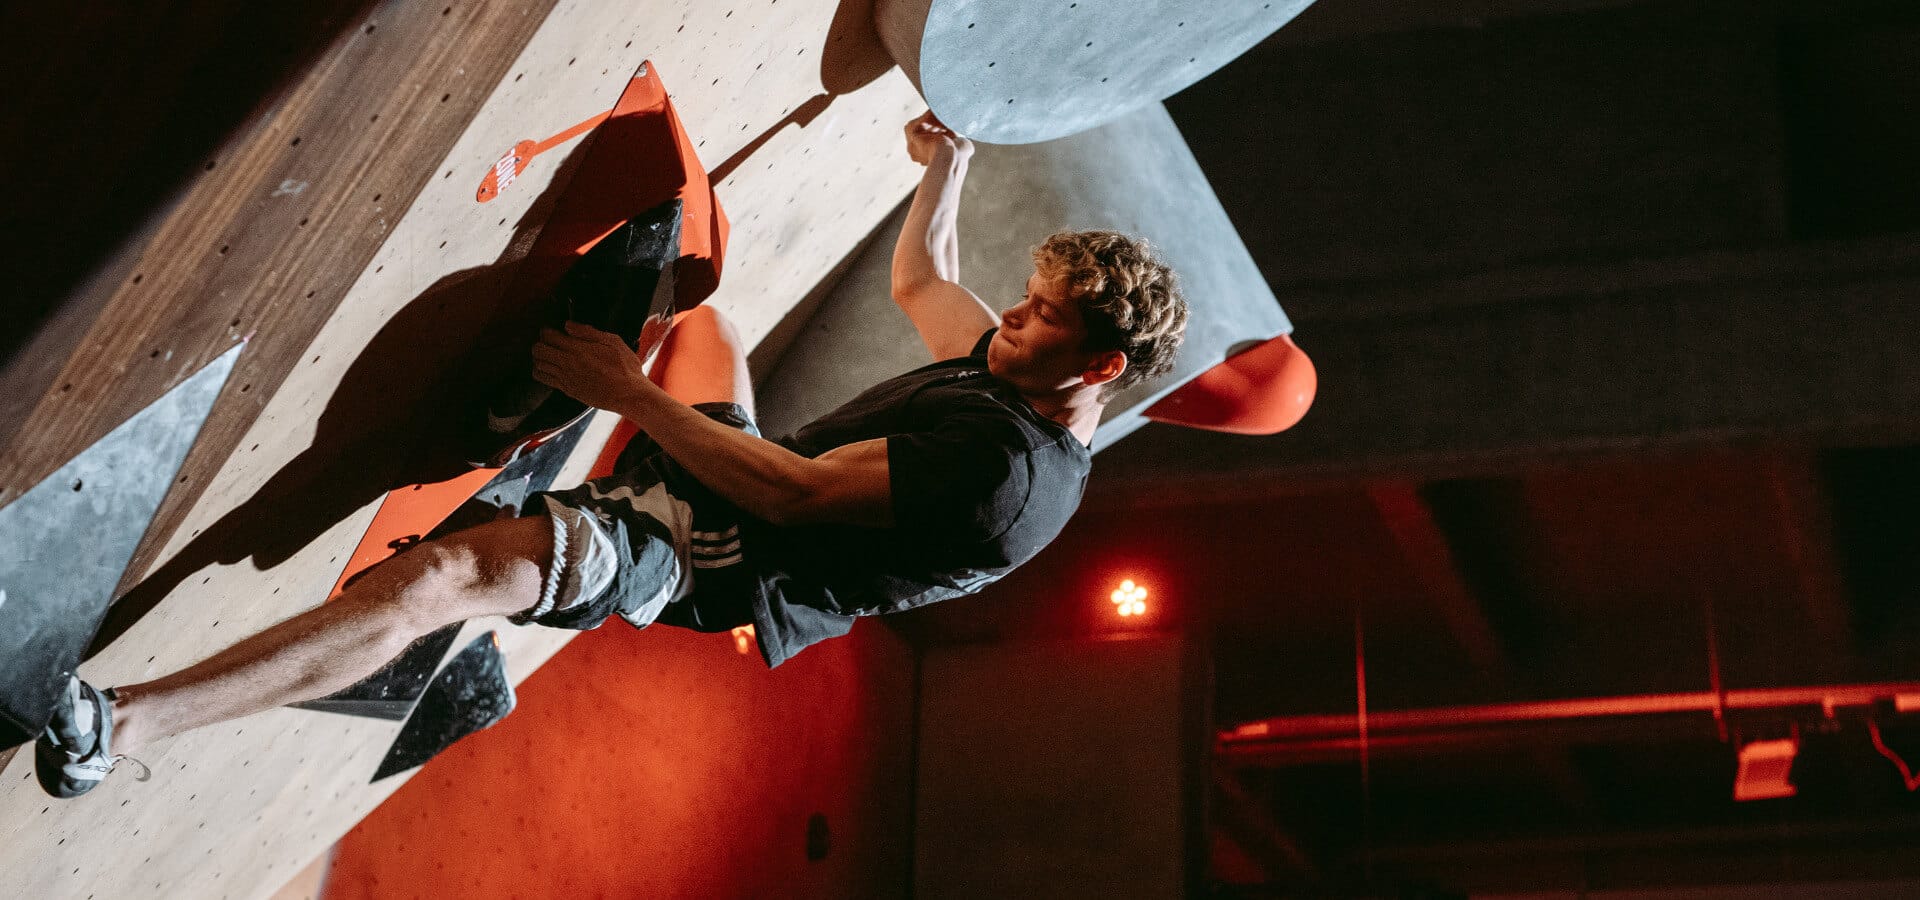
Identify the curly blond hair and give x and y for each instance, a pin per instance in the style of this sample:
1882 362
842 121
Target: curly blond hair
1130 300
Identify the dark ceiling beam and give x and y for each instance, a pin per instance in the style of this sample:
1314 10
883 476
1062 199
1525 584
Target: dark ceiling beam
1250 824
1806 518
1798 344
1424 548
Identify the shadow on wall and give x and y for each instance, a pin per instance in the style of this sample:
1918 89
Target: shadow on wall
851 59
853 56
395 420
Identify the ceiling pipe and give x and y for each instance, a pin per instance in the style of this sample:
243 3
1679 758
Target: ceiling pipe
1304 738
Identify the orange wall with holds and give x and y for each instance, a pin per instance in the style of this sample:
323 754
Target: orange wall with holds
663 763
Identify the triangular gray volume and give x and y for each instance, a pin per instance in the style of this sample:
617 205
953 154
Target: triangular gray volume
530 472
536 469
471 693
65 543
391 692
618 285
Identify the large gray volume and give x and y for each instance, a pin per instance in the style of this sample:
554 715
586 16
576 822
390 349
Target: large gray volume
1018 72
65 544
1135 175
471 693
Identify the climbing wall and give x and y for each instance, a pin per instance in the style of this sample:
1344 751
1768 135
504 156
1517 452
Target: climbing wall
340 232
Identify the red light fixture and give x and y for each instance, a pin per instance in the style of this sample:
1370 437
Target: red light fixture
1129 599
1765 767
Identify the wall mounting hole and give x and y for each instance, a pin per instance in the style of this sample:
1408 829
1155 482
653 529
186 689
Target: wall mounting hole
78 484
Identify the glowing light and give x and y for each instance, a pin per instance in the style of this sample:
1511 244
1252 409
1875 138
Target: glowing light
1129 599
743 640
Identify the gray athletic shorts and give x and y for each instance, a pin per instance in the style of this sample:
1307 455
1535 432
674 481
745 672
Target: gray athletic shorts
631 543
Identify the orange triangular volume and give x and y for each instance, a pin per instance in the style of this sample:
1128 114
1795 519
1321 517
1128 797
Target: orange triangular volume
1262 390
703 224
637 159
641 156
410 512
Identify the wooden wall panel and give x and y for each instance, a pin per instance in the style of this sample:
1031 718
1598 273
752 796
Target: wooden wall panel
272 235
98 140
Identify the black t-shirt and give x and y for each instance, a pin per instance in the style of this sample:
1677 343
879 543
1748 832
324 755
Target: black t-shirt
980 483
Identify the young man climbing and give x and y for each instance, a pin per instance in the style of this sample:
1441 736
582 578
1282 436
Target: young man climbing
927 486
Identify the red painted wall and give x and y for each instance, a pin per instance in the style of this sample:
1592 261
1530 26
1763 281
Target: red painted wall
662 763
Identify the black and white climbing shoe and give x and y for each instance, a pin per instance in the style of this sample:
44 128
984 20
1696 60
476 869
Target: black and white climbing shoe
72 755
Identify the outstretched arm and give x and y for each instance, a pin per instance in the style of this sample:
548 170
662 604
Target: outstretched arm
848 485
926 259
